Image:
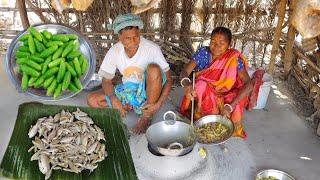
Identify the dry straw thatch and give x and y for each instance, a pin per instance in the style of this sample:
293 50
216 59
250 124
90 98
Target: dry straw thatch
177 25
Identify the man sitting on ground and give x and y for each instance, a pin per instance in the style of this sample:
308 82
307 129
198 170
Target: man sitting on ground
146 76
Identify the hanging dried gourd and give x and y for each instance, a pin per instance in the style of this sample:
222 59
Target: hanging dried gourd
140 6
306 17
80 5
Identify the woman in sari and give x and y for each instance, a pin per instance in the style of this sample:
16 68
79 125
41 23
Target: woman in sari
222 83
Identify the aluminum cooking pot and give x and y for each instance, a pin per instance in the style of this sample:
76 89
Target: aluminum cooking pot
212 119
170 137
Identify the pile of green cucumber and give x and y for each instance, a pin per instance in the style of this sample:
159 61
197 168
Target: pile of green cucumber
50 61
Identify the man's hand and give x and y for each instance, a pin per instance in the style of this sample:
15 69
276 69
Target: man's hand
117 105
141 125
149 109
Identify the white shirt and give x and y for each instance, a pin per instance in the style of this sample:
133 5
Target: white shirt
132 68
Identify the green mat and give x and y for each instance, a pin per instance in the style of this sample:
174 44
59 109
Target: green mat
118 164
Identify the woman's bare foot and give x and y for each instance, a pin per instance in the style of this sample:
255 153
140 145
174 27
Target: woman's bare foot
142 125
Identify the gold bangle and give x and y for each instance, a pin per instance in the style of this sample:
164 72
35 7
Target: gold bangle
185 78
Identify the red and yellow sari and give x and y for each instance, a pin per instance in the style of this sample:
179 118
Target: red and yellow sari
217 85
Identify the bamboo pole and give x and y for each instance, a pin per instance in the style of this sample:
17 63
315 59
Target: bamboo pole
254 54
37 11
304 57
291 37
263 55
277 34
23 13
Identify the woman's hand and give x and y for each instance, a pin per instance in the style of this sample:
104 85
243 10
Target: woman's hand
226 111
189 92
185 82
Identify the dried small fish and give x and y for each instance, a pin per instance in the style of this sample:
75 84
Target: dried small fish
48 174
85 119
79 113
44 164
38 143
92 147
67 141
100 133
34 129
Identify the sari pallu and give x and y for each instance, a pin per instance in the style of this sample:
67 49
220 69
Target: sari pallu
217 85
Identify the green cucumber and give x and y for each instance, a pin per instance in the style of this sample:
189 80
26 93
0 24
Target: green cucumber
73 88
71 69
77 82
32 47
54 43
48 51
61 72
20 54
31 81
58 53
60 37
39 82
57 91
37 58
45 64
66 80
39 46
24 82
48 81
35 33
30 71
67 49
77 66
23 49
50 72
84 65
34 65
52 87
24 37
55 62
47 34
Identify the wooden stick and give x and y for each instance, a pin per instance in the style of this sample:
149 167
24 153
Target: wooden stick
23 13
37 11
296 72
254 31
277 35
290 42
192 100
302 56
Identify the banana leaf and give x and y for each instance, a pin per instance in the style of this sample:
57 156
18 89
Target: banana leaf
117 165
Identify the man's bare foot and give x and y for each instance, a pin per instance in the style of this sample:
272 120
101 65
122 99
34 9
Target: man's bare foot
142 125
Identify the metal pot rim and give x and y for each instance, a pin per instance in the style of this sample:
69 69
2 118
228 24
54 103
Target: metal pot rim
261 172
201 122
10 64
171 123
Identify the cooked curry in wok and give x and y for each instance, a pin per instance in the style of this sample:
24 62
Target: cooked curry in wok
212 132
267 178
